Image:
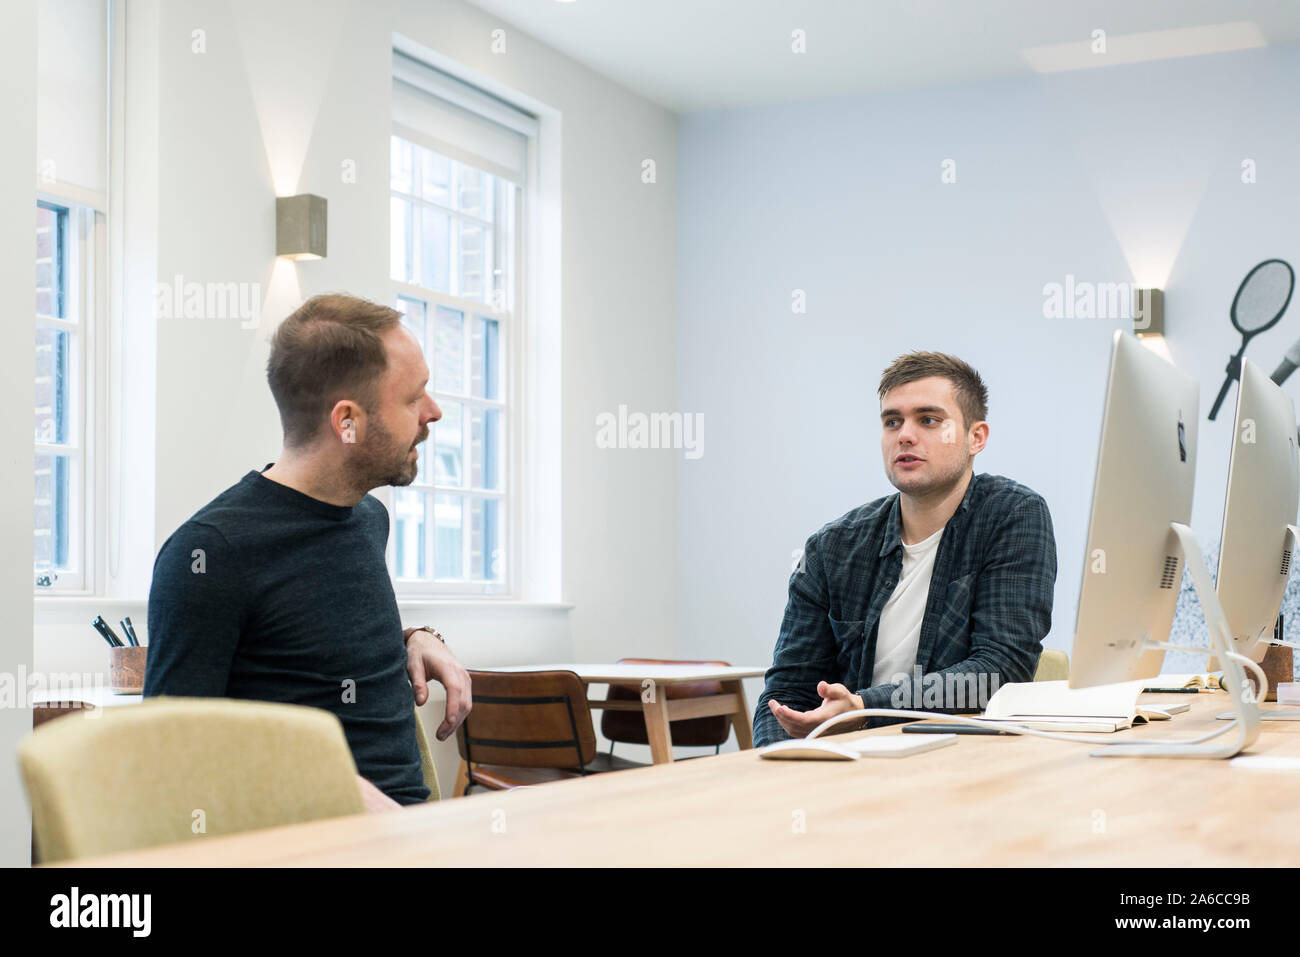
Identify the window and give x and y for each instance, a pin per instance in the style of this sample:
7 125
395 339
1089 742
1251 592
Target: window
65 260
456 204
72 138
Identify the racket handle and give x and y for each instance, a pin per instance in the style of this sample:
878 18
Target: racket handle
1223 394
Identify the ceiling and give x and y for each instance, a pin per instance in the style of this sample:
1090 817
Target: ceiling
707 54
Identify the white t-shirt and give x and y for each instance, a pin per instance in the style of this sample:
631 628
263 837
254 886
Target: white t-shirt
900 621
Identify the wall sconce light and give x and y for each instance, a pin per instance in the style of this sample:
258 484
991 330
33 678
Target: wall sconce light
300 226
1149 313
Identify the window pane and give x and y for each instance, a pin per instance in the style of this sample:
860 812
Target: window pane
449 441
472 264
53 491
410 520
435 177
413 317
449 518
52 384
471 191
401 241
501 295
486 552
401 179
485 359
49 243
435 249
485 449
448 350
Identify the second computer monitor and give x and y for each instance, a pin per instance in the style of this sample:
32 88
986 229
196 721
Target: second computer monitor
1263 495
1133 566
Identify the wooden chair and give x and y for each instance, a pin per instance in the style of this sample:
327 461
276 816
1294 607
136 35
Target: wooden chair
528 728
628 727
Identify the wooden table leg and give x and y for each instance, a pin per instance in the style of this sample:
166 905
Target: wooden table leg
657 728
740 719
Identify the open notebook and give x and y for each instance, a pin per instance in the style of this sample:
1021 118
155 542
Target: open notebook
1055 706
828 749
1205 682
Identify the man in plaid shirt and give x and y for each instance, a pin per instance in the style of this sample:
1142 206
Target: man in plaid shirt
927 599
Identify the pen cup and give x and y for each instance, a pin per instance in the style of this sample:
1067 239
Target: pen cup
1277 667
126 669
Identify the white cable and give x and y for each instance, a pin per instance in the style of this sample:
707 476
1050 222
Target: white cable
1000 726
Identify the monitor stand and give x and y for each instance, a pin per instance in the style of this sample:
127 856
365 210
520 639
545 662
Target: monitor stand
1279 714
1246 712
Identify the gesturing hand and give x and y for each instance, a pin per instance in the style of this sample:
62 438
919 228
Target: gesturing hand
836 699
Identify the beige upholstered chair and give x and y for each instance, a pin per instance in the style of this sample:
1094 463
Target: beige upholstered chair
179 769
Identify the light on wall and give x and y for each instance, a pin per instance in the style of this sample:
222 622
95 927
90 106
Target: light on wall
300 226
1149 313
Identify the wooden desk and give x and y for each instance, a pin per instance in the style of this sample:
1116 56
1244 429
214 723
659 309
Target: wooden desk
657 708
984 801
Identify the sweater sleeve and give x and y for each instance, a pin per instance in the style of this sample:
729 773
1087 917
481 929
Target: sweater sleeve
195 614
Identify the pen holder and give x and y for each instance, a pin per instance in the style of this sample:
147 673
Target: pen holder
1278 665
126 669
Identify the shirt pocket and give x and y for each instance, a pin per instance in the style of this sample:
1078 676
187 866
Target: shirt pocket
955 623
849 643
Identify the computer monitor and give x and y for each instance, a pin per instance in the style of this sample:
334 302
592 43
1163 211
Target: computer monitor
1133 565
1260 507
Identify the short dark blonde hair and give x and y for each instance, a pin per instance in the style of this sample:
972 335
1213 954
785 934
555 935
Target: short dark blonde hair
972 394
330 348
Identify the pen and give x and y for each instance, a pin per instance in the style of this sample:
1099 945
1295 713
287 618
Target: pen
129 629
101 626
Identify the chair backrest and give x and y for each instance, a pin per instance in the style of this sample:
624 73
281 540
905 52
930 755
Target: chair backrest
426 759
178 769
528 719
1053 665
628 727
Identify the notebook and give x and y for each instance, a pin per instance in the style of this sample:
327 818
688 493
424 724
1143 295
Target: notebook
827 749
1055 706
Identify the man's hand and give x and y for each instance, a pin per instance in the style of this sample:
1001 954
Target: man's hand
428 659
836 699
375 799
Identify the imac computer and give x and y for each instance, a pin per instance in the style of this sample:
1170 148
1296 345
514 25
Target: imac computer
1139 543
1259 516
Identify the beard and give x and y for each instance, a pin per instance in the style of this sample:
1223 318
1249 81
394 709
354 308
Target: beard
384 461
938 483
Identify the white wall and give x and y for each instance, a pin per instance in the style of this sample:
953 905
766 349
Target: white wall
1125 174
17 285
280 97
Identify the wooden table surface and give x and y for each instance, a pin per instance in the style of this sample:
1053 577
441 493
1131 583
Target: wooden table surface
984 801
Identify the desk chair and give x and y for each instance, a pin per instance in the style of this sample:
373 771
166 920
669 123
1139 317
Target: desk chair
426 759
153 773
528 728
1053 665
628 727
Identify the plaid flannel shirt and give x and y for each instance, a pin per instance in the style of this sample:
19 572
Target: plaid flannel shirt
989 606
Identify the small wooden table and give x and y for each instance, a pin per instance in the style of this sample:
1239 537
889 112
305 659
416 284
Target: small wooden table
657 708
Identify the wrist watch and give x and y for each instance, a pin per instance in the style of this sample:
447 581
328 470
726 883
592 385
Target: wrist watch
429 628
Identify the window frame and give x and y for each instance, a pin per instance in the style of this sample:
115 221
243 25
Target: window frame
514 348
85 264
